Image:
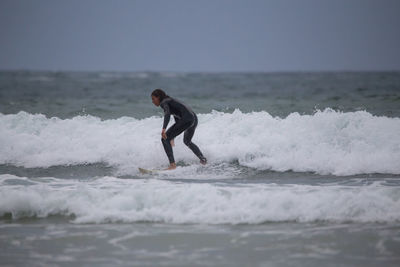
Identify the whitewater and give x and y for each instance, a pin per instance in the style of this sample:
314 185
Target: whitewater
112 200
325 142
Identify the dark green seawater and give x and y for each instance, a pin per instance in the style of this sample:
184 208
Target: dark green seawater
112 95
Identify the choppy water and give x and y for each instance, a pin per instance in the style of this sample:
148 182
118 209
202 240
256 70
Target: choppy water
303 170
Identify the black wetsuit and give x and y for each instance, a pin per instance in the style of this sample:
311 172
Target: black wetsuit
185 120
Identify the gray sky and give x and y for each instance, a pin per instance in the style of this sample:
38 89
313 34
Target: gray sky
215 35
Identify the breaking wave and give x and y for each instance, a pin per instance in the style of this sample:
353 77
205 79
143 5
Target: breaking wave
327 142
109 199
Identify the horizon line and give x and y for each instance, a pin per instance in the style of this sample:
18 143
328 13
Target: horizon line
201 71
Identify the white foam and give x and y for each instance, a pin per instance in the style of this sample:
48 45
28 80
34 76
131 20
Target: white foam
327 142
120 200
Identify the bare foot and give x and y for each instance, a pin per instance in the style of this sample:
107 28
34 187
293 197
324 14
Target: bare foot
203 161
172 166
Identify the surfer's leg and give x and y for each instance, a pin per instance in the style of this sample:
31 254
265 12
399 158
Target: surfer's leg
187 139
171 133
168 150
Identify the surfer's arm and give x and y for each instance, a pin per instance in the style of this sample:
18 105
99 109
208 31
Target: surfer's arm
167 115
166 120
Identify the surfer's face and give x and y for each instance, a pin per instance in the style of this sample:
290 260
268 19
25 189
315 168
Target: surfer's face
155 100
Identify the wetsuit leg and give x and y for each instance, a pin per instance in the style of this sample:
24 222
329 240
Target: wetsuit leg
187 139
171 133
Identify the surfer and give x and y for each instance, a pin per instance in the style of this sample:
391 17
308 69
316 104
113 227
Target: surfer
185 121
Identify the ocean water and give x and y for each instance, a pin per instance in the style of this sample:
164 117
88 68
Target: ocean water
304 170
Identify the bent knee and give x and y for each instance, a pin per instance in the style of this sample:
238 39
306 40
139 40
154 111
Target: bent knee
165 140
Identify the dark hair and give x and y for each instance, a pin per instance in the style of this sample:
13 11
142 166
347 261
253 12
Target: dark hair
160 94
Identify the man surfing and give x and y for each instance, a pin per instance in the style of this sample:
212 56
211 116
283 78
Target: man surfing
185 121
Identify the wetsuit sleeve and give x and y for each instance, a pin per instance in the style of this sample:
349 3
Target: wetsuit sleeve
167 115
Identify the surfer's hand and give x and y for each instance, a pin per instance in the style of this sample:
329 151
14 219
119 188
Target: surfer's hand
163 134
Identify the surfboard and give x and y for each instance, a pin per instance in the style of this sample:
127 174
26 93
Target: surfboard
146 171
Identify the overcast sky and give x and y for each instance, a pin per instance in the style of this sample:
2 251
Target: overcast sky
215 35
